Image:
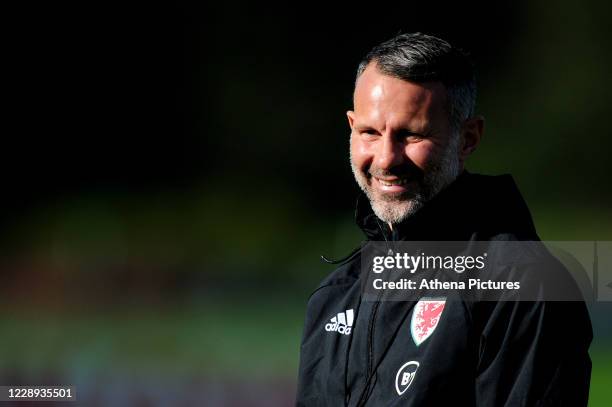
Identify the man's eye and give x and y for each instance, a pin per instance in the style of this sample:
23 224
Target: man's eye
409 135
369 132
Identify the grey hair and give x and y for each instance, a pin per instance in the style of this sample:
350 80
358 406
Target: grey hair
422 58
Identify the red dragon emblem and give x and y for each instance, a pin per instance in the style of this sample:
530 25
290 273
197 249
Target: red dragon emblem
425 318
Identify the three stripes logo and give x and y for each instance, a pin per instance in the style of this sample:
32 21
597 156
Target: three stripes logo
341 323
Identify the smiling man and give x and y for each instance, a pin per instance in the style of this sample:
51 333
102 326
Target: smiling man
404 148
412 128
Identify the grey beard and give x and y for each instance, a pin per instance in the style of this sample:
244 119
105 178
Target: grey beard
438 176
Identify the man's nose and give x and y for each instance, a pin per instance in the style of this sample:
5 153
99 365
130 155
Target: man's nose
390 153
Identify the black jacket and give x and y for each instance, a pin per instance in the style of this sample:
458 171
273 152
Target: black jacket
356 353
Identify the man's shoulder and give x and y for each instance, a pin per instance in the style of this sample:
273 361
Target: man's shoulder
337 292
346 271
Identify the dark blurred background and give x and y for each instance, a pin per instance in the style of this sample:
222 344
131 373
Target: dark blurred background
171 175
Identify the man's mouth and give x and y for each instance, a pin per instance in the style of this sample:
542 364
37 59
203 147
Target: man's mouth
391 185
392 182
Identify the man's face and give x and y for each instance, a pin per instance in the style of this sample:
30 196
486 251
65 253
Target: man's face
403 150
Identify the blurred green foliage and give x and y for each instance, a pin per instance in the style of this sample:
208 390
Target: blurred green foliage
211 277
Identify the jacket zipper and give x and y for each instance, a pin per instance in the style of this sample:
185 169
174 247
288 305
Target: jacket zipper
371 328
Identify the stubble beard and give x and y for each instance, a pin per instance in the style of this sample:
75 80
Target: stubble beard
395 208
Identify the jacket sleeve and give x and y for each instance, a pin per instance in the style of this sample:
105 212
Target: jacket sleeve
534 354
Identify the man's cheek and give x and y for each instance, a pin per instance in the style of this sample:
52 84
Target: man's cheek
365 153
359 157
423 154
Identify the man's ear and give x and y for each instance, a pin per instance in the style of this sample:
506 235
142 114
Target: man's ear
473 130
351 118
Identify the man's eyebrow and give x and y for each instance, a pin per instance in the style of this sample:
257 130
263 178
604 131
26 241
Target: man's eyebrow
426 131
364 126
421 132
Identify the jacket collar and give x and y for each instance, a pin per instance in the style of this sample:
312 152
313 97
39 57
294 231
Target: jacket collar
472 204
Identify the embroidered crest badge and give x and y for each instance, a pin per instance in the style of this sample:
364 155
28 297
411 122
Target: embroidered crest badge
425 318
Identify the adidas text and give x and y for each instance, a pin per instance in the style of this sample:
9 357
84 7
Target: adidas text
341 323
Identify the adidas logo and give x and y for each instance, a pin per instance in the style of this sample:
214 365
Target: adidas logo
341 323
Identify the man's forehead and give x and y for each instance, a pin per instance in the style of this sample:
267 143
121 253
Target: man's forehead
375 87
